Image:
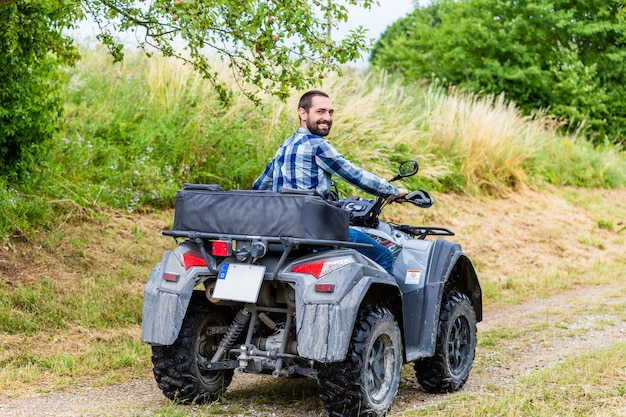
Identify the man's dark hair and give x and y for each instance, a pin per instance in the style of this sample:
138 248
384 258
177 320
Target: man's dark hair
305 100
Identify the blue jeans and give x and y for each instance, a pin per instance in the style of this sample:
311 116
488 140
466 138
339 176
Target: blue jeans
379 254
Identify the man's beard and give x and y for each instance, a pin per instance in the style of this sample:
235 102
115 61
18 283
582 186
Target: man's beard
316 130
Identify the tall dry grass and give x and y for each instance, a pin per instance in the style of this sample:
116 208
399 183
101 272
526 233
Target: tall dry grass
492 140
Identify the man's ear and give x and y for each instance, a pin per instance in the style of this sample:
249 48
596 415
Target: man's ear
302 113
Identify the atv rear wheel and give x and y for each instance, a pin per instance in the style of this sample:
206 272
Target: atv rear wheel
366 382
176 367
449 368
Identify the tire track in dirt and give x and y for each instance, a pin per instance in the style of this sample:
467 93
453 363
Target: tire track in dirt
554 329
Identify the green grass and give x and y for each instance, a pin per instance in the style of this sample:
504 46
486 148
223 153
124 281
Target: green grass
587 385
98 302
531 284
81 356
71 302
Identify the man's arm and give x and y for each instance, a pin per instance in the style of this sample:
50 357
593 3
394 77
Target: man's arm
334 163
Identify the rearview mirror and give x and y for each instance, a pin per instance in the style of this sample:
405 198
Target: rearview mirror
406 169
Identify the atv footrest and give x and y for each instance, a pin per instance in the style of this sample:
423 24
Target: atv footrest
206 366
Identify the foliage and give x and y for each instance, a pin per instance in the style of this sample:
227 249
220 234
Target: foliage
270 45
586 165
31 50
135 133
21 211
562 55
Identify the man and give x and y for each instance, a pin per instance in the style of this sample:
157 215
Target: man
307 161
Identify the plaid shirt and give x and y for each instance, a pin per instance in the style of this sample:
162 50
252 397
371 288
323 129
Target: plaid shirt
306 162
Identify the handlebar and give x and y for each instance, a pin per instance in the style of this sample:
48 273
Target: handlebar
421 232
365 212
420 198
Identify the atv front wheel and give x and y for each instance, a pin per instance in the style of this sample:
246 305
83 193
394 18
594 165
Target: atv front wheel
366 382
176 367
449 368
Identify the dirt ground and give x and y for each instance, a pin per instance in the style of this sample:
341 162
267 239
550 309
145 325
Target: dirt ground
541 232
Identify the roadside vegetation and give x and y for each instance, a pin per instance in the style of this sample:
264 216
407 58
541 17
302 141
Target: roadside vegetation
133 133
81 233
548 54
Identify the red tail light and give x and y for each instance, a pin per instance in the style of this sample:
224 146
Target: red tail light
314 269
193 258
170 277
220 248
320 267
325 288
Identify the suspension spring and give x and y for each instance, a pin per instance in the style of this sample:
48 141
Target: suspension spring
233 332
267 321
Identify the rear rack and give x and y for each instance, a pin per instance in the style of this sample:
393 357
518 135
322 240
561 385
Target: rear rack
289 244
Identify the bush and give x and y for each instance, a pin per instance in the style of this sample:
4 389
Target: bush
567 57
133 134
31 50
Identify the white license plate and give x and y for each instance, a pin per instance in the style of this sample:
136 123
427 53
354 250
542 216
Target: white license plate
239 282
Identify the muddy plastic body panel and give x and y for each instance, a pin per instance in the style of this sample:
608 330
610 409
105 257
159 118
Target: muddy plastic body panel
422 270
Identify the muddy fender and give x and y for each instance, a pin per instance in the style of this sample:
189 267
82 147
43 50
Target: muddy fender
165 301
448 267
324 323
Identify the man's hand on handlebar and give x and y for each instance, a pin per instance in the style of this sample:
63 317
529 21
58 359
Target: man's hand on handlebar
400 197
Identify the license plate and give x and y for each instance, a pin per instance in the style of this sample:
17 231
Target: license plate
239 282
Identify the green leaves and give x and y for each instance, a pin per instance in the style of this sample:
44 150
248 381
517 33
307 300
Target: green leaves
32 50
271 46
563 55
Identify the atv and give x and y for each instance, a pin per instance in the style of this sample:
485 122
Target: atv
267 283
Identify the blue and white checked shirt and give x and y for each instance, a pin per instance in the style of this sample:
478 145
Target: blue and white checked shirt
306 162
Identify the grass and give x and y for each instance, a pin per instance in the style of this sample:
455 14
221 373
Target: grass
133 133
586 385
531 284
583 384
491 142
77 291
49 303
70 358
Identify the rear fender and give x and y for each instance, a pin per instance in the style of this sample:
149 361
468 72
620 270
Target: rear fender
166 298
324 322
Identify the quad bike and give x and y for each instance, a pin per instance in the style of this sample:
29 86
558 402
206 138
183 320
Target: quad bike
267 283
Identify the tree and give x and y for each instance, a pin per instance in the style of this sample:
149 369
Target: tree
272 46
567 56
31 51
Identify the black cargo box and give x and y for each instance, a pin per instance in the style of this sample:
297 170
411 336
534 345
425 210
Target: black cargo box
289 213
